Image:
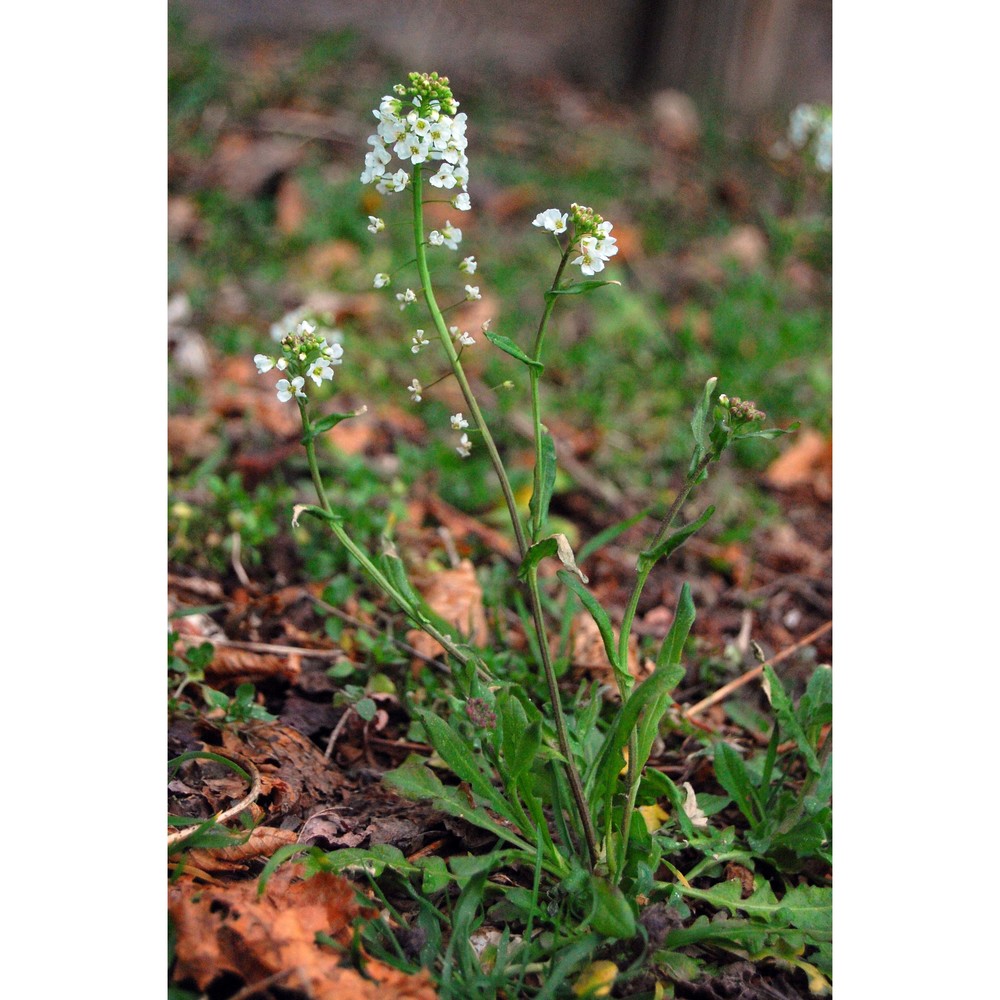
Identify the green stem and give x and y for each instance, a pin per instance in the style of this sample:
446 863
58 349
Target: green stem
456 364
534 376
362 557
642 575
536 605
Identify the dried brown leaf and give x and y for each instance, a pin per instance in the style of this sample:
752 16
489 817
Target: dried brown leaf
230 664
229 929
262 843
808 461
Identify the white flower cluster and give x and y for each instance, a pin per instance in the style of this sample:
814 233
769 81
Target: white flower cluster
591 235
305 353
419 124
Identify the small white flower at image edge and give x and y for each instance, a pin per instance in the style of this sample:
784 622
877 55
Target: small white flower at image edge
381 280
458 421
472 293
691 810
462 202
419 341
405 298
375 224
263 363
464 446
468 265
415 389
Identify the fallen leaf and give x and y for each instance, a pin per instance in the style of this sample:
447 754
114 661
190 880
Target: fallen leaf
262 843
808 461
230 929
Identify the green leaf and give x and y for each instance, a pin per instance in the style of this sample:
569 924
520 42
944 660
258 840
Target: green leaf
436 874
612 916
374 861
580 288
366 708
329 422
413 780
509 347
733 776
539 504
600 616
787 718
649 557
673 644
610 760
768 434
701 415
456 753
554 545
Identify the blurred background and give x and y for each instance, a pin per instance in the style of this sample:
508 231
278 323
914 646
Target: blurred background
746 55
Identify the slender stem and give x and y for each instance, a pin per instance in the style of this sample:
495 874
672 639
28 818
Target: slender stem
534 376
364 559
456 364
625 680
573 776
562 733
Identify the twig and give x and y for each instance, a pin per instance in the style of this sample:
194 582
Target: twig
252 989
249 799
337 730
238 569
728 689
270 647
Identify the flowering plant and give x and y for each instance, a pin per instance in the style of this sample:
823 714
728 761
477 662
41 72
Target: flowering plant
565 801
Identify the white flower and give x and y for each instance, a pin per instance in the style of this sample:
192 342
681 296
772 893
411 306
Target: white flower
691 810
445 177
286 390
551 220
466 339
320 369
381 279
435 238
334 353
263 363
305 328
461 202
375 225
415 389
590 260
405 298
451 236
281 364
464 447
458 422
468 265
419 341
472 293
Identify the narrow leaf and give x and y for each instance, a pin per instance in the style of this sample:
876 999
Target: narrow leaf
732 775
509 347
701 412
649 557
787 718
673 644
456 753
580 288
600 616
